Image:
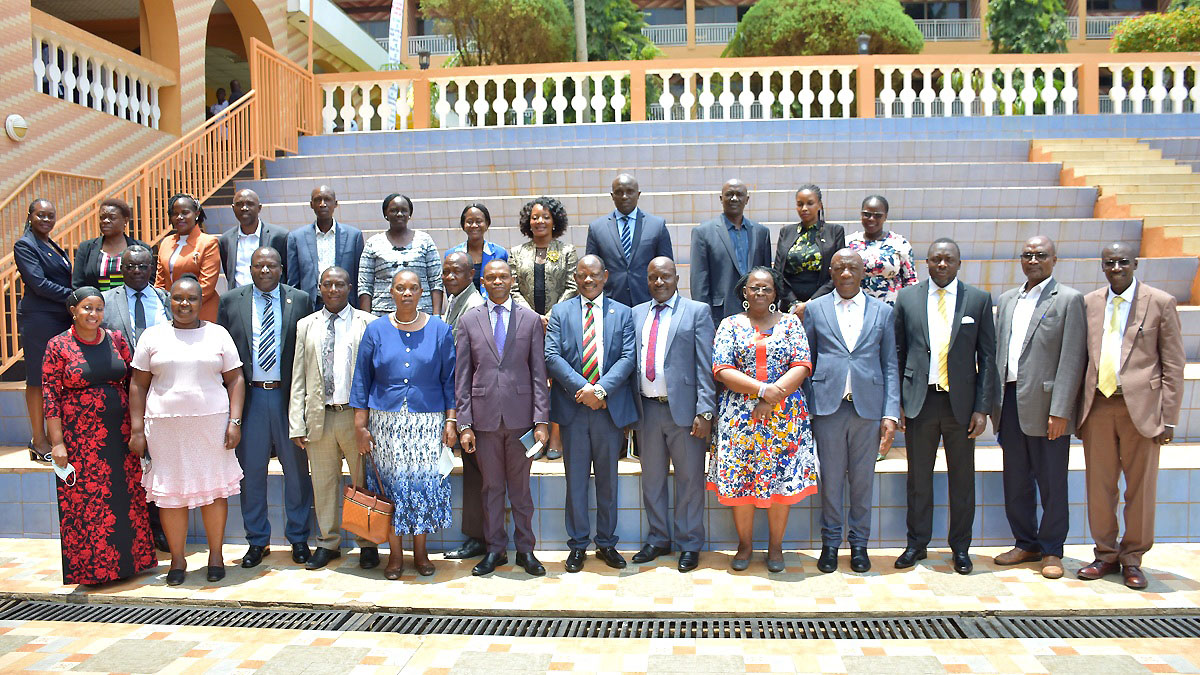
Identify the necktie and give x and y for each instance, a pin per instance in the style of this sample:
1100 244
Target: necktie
500 331
591 369
652 343
1107 383
327 357
266 336
139 315
626 238
944 348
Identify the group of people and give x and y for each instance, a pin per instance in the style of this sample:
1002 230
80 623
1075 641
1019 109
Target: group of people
780 378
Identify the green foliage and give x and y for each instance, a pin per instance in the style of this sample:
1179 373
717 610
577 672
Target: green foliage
814 27
1027 26
499 32
614 32
1182 4
1177 31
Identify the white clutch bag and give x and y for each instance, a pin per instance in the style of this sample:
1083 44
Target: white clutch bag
446 461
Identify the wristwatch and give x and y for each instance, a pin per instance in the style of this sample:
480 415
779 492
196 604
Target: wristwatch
707 416
237 421
599 391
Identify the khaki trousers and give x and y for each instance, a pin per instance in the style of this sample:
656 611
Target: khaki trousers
325 462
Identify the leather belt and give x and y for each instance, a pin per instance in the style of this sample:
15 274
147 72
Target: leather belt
939 388
660 399
337 407
848 398
273 384
1118 392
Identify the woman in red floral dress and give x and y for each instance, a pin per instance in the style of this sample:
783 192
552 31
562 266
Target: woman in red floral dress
104 525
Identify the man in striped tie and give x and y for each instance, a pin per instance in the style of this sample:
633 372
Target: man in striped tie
590 355
627 239
946 340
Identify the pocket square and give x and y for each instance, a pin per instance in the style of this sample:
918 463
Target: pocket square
968 319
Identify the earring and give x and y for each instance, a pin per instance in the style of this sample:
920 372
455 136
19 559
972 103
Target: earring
745 304
771 307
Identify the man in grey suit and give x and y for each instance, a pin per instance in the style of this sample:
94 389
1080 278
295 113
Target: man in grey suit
1041 354
854 396
327 243
626 240
724 249
674 339
237 244
461 294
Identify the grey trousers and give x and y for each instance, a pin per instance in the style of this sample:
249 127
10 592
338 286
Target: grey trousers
846 447
663 443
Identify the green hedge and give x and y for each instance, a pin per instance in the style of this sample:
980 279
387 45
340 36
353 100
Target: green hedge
1177 31
815 27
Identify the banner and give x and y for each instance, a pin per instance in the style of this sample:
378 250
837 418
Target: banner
395 54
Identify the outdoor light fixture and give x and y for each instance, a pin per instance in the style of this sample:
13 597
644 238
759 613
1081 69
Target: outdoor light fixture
864 43
423 59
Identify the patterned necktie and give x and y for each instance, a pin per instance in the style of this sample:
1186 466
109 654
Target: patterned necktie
1107 383
500 331
327 357
626 238
944 349
652 343
266 336
139 315
591 346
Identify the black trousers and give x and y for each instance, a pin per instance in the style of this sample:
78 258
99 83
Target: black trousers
1033 466
472 497
936 423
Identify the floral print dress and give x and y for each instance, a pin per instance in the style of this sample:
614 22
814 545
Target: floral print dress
773 461
888 262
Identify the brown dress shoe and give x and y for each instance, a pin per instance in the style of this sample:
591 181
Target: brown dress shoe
1098 569
1052 567
1016 556
1134 577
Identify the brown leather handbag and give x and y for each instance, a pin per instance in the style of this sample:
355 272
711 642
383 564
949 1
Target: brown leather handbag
366 514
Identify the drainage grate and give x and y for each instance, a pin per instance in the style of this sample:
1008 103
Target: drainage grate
1095 627
177 616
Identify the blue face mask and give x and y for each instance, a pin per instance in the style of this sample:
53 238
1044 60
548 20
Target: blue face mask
65 473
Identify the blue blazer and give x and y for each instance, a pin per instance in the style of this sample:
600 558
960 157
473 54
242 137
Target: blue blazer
627 278
687 365
46 277
301 266
564 360
874 373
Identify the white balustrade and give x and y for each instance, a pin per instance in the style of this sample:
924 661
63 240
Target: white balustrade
1072 27
951 91
524 100
715 33
947 30
438 45
667 35
782 92
1152 88
364 106
1101 27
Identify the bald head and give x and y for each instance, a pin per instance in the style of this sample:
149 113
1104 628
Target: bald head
847 270
458 271
734 197
625 193
246 207
662 278
1119 261
1037 260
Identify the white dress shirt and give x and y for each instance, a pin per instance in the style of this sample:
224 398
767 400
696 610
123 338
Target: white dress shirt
1112 342
247 244
180 242
850 316
326 248
659 386
939 329
342 350
598 320
1022 316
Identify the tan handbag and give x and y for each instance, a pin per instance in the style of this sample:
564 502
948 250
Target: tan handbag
366 514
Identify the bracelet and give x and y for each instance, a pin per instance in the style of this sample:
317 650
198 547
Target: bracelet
762 390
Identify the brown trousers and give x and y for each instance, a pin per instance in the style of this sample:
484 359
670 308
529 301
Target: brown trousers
325 464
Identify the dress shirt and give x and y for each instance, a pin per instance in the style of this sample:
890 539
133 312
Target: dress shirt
247 244
1022 315
939 331
258 374
632 223
740 237
1113 341
850 315
659 386
326 248
598 319
155 312
180 242
507 305
341 352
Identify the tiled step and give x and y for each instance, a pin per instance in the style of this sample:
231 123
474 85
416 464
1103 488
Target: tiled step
1174 208
1134 154
1150 167
1185 149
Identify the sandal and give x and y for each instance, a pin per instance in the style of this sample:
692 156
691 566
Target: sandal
36 456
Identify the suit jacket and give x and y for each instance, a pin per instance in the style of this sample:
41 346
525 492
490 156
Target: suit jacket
301 264
687 365
1152 358
1052 361
501 392
830 238
87 262
119 316
236 315
46 278
627 278
564 360
561 260
469 298
270 235
201 255
874 375
714 264
972 356
306 404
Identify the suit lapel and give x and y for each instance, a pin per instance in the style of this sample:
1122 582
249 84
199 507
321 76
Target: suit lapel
1137 316
248 319
676 317
608 331
574 328
829 311
960 308
723 236
485 324
637 234
752 240
1004 312
869 317
1039 312
614 234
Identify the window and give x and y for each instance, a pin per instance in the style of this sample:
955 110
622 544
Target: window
954 9
1122 6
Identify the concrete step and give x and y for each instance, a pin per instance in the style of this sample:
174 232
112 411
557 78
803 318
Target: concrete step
1156 167
1155 182
1133 154
1178 208
1169 221
1160 197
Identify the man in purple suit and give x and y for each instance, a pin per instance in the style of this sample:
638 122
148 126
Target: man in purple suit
501 392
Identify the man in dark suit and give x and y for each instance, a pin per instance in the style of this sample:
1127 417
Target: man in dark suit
590 355
501 393
854 396
1131 400
724 249
261 318
626 240
674 339
327 243
1041 352
946 340
237 244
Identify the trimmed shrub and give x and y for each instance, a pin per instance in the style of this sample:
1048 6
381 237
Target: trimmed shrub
1027 26
814 27
1177 31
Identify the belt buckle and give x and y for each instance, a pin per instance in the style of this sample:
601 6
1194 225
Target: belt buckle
849 398
940 388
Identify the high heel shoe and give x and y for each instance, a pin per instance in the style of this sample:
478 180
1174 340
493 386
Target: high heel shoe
36 456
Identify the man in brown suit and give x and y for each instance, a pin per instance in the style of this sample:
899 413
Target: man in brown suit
1130 406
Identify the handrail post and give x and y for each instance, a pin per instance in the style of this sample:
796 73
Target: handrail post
864 88
637 91
1089 88
422 102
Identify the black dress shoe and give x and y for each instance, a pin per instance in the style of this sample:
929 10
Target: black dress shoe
489 563
160 541
368 557
649 553
176 577
828 561
216 572
688 561
322 557
910 557
610 557
575 559
962 562
531 564
301 553
471 548
254 556
859 560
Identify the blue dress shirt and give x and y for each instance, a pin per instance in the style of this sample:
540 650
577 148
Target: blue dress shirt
401 367
258 374
740 237
155 312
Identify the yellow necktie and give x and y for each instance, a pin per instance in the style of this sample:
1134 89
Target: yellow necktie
944 351
1108 357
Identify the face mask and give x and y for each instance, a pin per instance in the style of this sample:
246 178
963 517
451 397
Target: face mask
65 473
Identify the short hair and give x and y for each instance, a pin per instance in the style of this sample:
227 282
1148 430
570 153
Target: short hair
487 215
388 200
946 240
82 293
195 205
878 198
776 281
557 212
120 205
137 249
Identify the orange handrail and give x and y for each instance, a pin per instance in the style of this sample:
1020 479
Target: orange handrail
66 190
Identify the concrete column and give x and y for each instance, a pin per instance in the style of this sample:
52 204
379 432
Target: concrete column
690 9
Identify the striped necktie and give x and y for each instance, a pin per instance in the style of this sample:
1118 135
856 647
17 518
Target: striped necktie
591 345
266 336
626 238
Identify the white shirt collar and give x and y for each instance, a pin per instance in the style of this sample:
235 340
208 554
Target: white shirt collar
1127 295
1036 291
950 288
346 312
671 302
319 233
858 300
599 301
256 233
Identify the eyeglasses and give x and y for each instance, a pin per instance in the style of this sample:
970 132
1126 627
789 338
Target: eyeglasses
1116 262
759 290
872 215
1035 257
136 266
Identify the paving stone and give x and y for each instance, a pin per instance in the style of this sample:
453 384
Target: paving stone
136 656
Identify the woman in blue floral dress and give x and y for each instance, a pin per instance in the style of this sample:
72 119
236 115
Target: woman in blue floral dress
763 456
887 256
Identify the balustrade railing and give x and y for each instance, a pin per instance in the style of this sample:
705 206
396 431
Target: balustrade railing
65 190
667 35
947 30
1101 27
438 45
715 33
1152 88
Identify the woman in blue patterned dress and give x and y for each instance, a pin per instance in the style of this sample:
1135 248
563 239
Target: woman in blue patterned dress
763 451
887 256
403 400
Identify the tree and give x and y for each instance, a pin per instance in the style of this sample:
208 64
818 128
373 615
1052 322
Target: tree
614 32
811 27
498 32
1027 26
1177 31
1182 4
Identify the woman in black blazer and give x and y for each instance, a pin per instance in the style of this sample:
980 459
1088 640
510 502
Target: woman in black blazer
804 251
98 261
42 313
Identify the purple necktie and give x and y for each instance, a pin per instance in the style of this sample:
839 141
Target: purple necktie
499 332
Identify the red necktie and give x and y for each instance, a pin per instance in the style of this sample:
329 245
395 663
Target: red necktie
653 343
